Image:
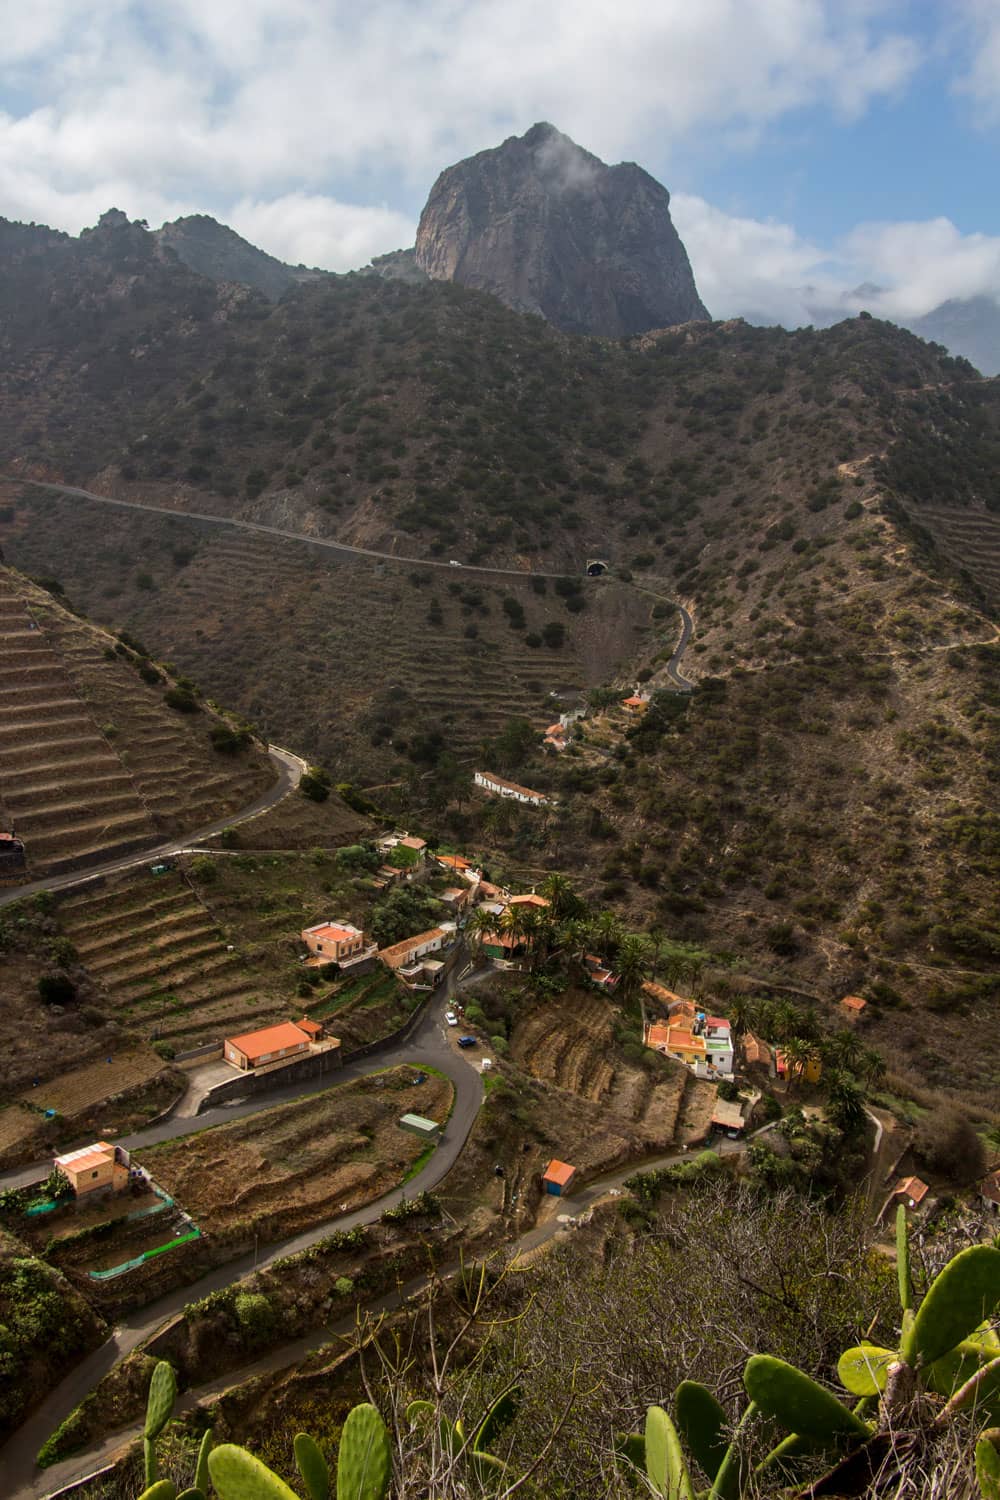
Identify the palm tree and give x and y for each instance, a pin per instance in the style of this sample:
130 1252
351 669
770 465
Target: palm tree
479 926
871 1065
608 934
562 898
799 1053
631 965
743 1015
843 1049
845 1100
513 924
784 1021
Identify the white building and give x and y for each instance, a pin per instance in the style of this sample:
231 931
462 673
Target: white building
500 787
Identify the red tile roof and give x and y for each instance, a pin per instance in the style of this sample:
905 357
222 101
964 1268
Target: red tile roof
311 1028
989 1188
272 1039
853 1002
558 1171
333 932
412 842
911 1187
397 955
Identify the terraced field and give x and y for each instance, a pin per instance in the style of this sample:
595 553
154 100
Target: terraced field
571 1046
969 539
64 788
344 657
93 763
166 966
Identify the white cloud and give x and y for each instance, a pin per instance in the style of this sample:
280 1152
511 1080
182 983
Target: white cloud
980 78
316 231
765 271
259 99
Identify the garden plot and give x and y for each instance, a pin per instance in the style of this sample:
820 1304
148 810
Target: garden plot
302 1163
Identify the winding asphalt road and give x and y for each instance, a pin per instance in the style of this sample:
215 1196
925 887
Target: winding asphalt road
289 770
673 665
207 519
428 1045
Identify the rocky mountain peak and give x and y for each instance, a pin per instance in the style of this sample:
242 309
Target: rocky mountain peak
551 229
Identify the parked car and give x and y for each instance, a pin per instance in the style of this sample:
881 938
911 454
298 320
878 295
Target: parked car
454 563
466 1041
451 1018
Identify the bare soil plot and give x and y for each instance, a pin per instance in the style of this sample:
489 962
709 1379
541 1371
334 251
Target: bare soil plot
116 1071
570 1043
299 1164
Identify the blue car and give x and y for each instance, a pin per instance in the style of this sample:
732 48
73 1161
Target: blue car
466 1041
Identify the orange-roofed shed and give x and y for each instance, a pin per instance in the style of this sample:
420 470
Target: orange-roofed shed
557 1178
912 1188
853 1004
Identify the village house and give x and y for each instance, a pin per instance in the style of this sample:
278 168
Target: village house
456 864
410 960
99 1168
988 1192
852 1006
500 787
910 1190
598 972
333 941
554 739
811 1070
727 1116
635 705
676 1041
459 898
272 1044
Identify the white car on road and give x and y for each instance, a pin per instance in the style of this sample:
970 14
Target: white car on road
451 1018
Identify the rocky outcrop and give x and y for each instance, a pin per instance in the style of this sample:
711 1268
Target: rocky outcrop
214 250
550 229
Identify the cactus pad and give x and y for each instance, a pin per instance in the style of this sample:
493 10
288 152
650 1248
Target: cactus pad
364 1462
864 1370
665 1467
783 1392
312 1466
161 1398
237 1475
960 1298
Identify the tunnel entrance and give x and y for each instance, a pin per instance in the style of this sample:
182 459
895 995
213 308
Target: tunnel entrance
595 567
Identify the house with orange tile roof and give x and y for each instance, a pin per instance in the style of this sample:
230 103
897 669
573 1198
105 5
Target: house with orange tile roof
99 1168
455 864
531 898
636 704
557 1178
911 1190
499 786
988 1191
271 1044
411 959
853 1005
332 941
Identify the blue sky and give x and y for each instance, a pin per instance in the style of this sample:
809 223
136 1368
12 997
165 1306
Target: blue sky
809 145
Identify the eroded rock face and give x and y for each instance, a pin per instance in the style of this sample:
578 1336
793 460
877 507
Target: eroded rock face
551 229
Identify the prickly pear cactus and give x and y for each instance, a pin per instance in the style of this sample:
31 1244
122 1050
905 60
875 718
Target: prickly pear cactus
163 1489
161 1398
785 1393
364 1462
988 1469
312 1466
703 1424
665 1467
201 1467
959 1299
237 1475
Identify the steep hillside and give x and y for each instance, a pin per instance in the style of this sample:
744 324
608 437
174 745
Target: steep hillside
95 758
825 503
